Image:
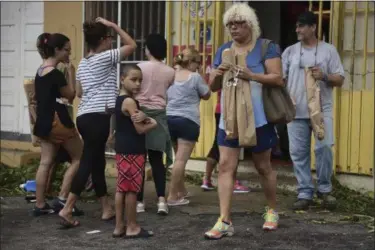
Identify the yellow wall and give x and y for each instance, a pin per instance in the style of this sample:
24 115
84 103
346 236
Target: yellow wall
354 103
66 18
355 107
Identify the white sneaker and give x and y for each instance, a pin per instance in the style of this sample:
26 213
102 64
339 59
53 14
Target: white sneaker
163 208
140 207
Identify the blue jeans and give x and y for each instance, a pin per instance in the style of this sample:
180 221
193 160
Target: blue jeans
299 133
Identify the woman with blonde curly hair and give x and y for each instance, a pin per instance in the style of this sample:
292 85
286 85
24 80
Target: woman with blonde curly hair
242 24
184 97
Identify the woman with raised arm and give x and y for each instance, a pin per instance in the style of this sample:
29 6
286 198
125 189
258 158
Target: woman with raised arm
97 87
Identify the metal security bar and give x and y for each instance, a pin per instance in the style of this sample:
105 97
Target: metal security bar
138 18
107 10
349 26
357 101
198 25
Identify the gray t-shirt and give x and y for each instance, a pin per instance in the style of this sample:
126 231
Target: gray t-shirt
294 61
183 98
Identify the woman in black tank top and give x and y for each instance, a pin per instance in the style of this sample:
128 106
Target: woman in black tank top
53 124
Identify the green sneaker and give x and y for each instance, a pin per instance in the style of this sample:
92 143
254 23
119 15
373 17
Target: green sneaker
220 230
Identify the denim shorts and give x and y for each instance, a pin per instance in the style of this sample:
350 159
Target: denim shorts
182 128
266 139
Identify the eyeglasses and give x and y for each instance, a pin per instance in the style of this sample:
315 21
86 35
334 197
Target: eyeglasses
237 24
301 54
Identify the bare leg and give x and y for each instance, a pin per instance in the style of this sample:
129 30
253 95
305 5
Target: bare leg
119 201
51 174
106 207
47 156
74 147
210 166
227 168
132 227
262 162
183 153
66 212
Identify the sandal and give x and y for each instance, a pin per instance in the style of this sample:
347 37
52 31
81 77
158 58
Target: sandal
142 234
120 235
67 224
110 218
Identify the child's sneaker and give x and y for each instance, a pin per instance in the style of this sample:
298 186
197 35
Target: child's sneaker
271 219
140 207
207 185
240 189
220 230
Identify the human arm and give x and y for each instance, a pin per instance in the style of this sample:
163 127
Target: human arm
66 88
285 63
129 44
78 89
335 71
78 86
202 87
272 75
129 106
215 80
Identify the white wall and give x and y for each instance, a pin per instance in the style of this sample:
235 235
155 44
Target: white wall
21 23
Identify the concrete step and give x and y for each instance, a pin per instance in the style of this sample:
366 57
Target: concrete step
15 158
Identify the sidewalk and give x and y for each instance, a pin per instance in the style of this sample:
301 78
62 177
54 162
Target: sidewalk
183 228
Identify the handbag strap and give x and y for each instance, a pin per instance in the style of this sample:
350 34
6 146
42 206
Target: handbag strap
265 43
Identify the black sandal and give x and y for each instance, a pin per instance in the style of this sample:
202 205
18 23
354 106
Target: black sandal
142 234
119 235
65 224
111 218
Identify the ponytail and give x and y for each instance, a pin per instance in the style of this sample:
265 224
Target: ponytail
47 43
42 43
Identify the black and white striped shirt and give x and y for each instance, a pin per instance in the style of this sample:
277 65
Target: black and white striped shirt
98 77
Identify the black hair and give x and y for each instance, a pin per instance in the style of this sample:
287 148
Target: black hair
308 18
157 45
94 33
49 42
40 41
127 68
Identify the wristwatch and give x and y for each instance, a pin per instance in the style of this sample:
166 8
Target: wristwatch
325 77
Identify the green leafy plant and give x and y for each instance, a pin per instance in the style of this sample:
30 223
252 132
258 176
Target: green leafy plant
11 178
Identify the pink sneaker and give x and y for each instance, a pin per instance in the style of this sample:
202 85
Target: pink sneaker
240 189
207 185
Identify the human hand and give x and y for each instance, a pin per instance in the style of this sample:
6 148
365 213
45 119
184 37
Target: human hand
65 101
139 116
243 73
104 21
152 121
317 73
217 72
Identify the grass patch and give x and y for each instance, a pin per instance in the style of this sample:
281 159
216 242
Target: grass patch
352 201
11 178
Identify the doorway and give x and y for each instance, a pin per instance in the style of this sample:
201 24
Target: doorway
277 23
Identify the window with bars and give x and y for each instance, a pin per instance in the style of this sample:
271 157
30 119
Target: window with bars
137 18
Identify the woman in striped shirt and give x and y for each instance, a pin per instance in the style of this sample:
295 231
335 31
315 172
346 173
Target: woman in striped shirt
97 88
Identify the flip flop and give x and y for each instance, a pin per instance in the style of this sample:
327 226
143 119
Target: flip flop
119 235
142 234
110 218
67 224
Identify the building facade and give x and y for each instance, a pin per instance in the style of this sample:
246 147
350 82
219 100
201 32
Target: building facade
348 25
